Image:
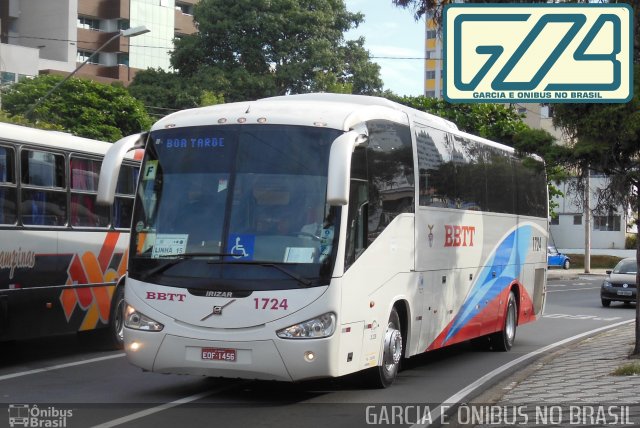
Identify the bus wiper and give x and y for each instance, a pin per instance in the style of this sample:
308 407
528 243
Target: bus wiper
180 257
200 254
300 279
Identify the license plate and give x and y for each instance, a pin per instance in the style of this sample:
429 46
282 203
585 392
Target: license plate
625 293
218 354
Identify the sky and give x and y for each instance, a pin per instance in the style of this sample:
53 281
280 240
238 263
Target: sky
391 31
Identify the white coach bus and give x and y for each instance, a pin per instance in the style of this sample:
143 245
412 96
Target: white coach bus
61 254
319 235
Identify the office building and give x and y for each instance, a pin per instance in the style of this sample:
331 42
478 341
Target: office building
55 36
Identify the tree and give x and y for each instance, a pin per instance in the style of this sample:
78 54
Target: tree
81 107
163 92
262 48
606 139
495 122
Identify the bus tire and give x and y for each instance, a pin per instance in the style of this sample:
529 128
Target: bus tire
384 375
503 340
114 333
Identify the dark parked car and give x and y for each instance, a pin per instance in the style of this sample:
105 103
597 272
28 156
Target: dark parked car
620 284
555 258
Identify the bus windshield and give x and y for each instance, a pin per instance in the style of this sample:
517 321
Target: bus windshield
228 205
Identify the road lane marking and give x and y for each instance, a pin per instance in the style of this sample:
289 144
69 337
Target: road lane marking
165 406
456 398
581 317
60 366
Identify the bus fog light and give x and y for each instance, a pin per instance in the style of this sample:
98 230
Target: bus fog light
322 326
138 321
309 356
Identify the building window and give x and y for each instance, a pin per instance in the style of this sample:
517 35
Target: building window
430 94
606 223
577 220
123 59
7 78
88 23
431 34
555 220
185 8
82 56
430 74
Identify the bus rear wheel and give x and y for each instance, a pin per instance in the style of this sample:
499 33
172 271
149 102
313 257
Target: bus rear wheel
384 375
503 340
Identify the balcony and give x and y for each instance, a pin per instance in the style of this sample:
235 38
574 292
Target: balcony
91 40
105 9
184 24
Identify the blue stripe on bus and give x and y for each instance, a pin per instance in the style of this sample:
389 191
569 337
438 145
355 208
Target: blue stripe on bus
506 261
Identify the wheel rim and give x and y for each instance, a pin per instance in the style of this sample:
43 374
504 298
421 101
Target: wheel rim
392 348
119 320
510 325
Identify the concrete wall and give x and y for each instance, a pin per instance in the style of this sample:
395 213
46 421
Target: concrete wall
50 26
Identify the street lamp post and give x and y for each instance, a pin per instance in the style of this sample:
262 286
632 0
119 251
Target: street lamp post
131 32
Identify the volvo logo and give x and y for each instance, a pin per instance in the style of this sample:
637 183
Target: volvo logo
217 310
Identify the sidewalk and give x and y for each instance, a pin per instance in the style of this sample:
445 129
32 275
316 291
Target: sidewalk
575 381
572 273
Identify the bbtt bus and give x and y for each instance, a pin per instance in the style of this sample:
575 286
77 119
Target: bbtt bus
319 235
61 254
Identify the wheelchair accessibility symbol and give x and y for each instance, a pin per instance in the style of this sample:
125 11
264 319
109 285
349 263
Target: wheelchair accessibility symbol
241 246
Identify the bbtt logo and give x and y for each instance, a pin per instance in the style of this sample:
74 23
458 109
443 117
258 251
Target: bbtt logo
538 53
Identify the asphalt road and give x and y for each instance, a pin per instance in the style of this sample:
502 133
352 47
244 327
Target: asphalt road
64 374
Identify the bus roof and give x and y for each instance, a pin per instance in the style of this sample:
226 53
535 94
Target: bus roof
53 139
337 111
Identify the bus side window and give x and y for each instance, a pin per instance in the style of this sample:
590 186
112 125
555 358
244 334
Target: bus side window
357 222
44 195
123 202
8 210
84 185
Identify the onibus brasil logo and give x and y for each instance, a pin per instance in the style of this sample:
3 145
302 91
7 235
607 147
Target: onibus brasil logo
538 53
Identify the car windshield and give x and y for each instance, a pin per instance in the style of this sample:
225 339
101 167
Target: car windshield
629 267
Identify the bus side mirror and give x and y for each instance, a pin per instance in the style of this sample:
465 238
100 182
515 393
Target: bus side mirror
340 167
111 166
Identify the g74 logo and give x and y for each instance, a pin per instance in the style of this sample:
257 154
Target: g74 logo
538 52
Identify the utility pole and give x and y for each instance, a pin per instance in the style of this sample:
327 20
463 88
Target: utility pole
587 225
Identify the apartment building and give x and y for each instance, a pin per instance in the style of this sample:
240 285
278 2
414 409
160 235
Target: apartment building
55 36
434 62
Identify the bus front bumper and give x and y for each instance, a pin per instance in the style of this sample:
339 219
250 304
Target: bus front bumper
286 360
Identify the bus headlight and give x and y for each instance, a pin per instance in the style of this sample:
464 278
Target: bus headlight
322 326
138 321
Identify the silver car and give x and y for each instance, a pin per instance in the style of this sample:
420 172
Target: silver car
620 283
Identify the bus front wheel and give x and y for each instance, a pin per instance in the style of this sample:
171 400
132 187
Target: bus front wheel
384 375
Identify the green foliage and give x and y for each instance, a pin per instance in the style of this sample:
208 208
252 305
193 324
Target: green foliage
629 369
163 92
630 242
81 107
20 120
595 261
606 139
260 48
495 122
